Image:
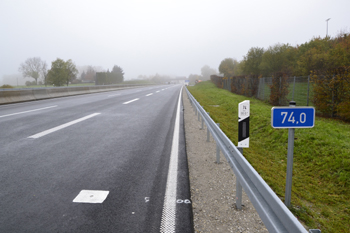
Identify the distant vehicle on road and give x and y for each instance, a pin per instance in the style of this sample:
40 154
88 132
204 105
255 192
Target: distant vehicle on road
198 81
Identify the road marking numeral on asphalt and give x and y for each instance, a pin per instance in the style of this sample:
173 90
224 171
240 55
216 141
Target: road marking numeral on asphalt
131 101
91 196
180 201
38 135
27 111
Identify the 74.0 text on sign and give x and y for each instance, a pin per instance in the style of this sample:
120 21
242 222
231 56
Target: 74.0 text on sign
293 117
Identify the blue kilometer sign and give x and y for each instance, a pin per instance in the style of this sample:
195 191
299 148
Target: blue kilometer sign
293 117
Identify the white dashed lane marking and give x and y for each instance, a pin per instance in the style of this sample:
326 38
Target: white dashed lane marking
131 101
38 135
28 111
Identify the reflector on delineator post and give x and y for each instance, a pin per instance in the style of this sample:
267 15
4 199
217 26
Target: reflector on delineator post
243 124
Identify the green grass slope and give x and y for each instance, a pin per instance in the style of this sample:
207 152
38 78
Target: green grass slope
321 170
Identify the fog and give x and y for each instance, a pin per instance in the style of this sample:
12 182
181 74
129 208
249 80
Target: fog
170 37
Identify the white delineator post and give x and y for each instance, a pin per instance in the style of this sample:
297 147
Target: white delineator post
243 141
243 124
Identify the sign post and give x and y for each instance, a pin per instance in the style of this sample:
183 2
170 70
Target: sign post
291 118
290 154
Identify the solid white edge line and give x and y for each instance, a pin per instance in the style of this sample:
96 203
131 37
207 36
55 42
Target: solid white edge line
131 101
38 135
169 207
28 111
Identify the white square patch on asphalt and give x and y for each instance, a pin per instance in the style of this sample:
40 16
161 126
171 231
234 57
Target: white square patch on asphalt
91 196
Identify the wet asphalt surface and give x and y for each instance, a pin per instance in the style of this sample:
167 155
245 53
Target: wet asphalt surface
125 150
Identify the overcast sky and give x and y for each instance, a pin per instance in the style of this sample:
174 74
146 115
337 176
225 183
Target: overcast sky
145 37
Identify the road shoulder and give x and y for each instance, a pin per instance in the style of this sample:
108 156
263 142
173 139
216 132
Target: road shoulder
213 185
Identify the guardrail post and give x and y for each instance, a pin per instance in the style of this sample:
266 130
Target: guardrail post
239 188
217 150
208 133
314 231
198 115
202 122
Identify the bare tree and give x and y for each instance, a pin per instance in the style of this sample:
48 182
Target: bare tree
32 68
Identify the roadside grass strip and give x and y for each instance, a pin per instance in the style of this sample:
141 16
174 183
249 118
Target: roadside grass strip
321 169
38 135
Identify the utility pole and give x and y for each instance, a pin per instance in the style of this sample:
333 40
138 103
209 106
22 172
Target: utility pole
327 26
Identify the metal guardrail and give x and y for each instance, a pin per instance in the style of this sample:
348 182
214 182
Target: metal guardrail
272 211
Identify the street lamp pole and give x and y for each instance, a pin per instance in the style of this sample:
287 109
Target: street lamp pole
327 26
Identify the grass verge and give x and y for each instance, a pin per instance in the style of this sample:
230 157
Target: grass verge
321 170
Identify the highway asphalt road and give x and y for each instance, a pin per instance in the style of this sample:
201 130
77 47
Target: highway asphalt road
95 163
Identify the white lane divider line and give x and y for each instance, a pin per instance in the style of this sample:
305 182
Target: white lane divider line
113 95
157 91
28 111
169 207
131 101
91 196
149 94
38 135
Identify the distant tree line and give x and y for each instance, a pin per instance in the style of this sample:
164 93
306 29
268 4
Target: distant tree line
113 77
156 78
61 72
206 72
325 60
317 54
65 72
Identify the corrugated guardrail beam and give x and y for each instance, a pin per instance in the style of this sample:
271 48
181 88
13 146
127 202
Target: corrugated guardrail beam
275 215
